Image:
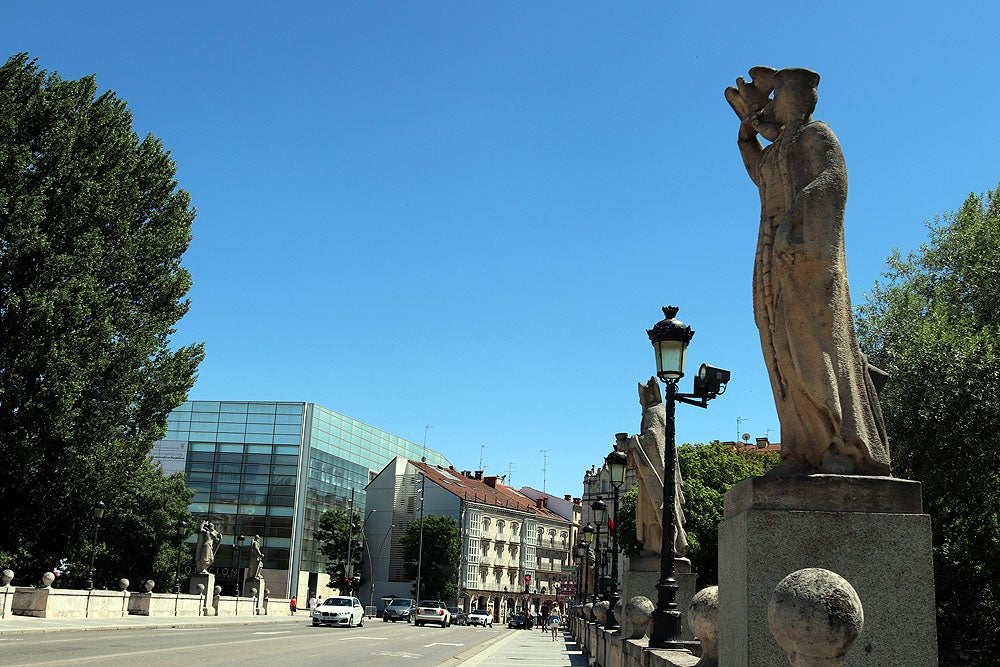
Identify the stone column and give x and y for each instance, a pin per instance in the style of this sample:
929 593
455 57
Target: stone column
869 530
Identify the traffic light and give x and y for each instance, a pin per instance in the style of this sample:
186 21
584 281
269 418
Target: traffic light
527 581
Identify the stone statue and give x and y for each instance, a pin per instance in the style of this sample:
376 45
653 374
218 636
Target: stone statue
646 453
209 540
256 558
823 386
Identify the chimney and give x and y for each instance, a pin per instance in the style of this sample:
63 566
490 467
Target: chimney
576 501
466 473
540 502
479 475
491 481
567 497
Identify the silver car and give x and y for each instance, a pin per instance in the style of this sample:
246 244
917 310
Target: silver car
339 611
432 611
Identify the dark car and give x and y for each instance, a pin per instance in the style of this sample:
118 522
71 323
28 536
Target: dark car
399 609
458 617
519 621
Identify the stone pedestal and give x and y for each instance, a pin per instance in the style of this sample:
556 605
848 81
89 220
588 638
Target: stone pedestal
642 575
257 598
207 579
869 530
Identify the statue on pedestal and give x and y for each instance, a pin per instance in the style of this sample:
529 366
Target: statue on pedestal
824 389
646 453
256 558
209 540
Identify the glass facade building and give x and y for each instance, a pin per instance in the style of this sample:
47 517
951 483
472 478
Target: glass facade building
272 469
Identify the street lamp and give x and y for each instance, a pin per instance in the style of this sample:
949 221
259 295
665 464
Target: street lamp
616 463
237 543
586 537
600 510
670 338
98 514
181 534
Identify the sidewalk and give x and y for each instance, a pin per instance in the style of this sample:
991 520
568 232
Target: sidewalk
19 625
529 648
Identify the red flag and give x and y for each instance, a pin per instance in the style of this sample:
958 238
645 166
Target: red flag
611 525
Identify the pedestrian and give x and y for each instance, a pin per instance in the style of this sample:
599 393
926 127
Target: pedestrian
312 603
545 617
554 624
291 605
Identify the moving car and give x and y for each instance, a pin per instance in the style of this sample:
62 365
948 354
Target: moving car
432 611
398 610
458 617
339 611
481 617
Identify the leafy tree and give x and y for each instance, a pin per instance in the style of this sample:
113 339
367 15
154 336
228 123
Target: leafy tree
333 535
92 230
627 540
709 471
934 324
442 557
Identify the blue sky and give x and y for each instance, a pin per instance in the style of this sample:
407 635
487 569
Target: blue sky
466 214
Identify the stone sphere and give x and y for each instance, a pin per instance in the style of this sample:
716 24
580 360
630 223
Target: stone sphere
703 619
218 591
601 611
123 584
816 616
47 579
635 619
8 576
201 589
267 592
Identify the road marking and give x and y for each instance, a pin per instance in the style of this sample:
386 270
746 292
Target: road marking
347 639
397 654
442 644
276 632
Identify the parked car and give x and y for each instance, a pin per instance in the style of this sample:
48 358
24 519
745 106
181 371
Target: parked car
519 621
481 617
398 610
339 611
432 611
458 617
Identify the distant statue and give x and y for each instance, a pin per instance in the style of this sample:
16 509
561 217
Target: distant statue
256 558
209 540
823 386
646 453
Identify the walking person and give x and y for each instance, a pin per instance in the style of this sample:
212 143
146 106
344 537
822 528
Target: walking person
545 617
292 605
554 624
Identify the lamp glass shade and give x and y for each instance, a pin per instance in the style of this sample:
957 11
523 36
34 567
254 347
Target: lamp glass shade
600 509
670 358
587 535
98 510
616 463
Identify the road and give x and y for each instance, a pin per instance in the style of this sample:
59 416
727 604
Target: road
291 643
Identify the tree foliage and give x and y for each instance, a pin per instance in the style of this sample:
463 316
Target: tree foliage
627 540
442 557
333 535
709 471
92 230
934 324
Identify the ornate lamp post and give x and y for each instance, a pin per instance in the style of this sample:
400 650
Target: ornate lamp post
616 463
600 510
586 537
578 560
98 515
181 534
237 543
670 338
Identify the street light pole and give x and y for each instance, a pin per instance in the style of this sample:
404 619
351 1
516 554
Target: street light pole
600 509
98 514
670 338
237 543
181 534
350 543
587 536
616 463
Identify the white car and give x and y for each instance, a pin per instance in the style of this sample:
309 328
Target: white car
432 611
339 611
481 617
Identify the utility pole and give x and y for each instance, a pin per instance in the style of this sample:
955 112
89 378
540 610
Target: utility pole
545 463
420 547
